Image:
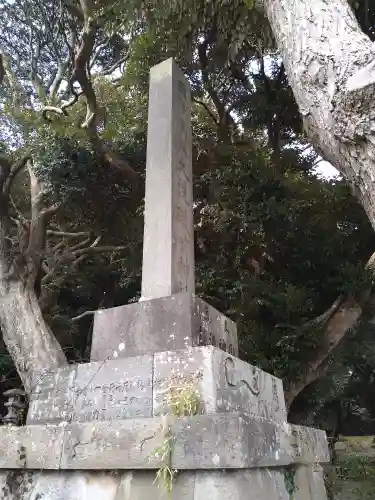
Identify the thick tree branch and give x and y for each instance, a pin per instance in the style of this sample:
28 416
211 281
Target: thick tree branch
81 64
2 69
337 321
5 168
40 217
63 234
208 109
15 170
98 250
330 66
83 315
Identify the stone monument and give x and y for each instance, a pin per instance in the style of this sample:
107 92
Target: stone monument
102 430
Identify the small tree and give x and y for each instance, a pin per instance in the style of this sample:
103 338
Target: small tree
50 54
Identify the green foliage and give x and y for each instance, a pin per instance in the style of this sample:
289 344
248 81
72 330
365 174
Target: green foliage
290 219
290 481
183 400
165 474
182 396
355 477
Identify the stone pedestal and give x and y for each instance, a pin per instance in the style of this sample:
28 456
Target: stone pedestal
138 387
140 485
102 430
113 414
165 324
223 456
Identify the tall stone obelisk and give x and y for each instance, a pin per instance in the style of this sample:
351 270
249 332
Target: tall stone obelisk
168 248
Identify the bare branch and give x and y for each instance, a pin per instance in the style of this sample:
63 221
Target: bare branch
21 217
2 70
115 65
40 216
62 234
49 212
323 318
56 82
52 109
74 10
99 250
209 111
83 315
78 246
97 51
5 168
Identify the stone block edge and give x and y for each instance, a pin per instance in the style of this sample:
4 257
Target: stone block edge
216 441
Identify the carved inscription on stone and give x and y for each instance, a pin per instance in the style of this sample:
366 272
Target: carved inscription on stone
182 221
295 443
246 388
214 328
110 390
275 395
253 384
115 401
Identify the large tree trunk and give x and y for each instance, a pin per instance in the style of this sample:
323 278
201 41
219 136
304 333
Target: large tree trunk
330 64
32 346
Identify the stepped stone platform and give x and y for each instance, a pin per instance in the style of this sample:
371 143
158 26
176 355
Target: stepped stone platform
138 387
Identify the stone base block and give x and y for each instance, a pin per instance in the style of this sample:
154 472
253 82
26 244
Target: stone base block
227 441
142 387
166 324
224 383
256 484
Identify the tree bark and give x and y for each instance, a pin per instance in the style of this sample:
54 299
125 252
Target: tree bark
30 342
342 318
330 64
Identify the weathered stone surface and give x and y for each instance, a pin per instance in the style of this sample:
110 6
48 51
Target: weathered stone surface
229 441
139 485
34 447
168 244
309 443
224 383
52 399
240 485
202 442
316 482
309 482
168 323
125 444
49 485
140 387
110 390
348 447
